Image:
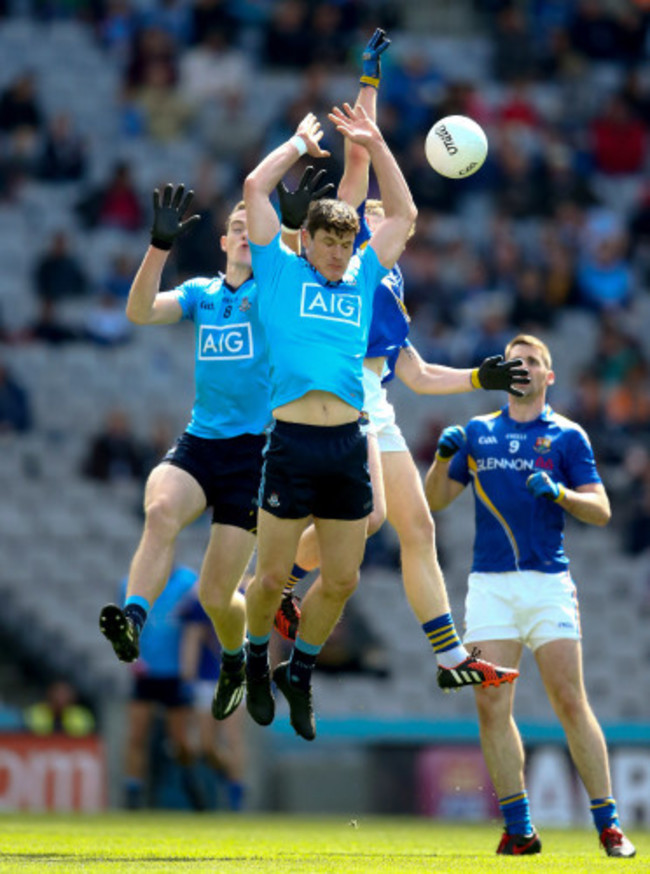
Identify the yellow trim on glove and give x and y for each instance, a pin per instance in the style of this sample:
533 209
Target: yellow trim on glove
473 378
370 80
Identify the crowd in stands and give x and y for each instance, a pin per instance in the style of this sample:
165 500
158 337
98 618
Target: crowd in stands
557 220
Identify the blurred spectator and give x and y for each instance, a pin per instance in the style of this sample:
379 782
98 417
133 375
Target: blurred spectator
58 273
229 129
60 712
593 32
604 278
531 313
173 17
414 88
105 322
160 440
166 114
287 36
148 45
208 16
19 106
634 501
212 69
628 404
115 204
616 353
329 41
114 453
618 139
49 327
119 276
353 648
64 157
513 51
15 406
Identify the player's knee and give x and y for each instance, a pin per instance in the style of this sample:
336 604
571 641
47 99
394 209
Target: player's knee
341 588
161 517
271 582
417 530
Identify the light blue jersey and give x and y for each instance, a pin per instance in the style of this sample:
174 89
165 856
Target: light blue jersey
160 641
231 373
318 330
513 529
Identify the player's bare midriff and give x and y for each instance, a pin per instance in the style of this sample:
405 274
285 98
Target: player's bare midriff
317 408
375 364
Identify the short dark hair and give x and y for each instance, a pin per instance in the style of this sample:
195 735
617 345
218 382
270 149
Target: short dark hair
236 208
332 215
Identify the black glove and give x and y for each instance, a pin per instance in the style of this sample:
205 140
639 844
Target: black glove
294 204
495 374
167 224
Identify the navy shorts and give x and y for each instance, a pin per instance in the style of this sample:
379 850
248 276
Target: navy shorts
228 471
168 691
320 471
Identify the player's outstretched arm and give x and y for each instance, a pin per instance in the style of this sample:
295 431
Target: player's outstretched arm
439 489
353 187
389 239
146 304
436 379
261 217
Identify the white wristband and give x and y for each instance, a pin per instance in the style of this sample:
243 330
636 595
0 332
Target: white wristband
299 143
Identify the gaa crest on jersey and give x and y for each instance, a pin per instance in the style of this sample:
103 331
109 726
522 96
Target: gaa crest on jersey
245 305
273 500
320 302
543 445
225 342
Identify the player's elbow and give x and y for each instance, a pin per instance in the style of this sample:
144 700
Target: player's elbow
603 517
135 317
253 187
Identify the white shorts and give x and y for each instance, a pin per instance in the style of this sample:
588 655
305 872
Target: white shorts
381 414
528 606
203 693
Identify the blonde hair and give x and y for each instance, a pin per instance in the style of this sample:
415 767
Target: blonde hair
530 340
376 208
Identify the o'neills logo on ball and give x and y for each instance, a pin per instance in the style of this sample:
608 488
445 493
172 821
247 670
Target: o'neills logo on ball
447 139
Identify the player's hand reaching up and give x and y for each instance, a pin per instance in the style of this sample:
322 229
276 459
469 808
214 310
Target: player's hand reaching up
371 58
355 124
168 216
311 133
294 204
451 439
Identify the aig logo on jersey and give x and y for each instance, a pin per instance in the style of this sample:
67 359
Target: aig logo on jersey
323 303
221 342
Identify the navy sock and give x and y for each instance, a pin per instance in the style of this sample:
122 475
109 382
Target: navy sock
301 663
232 661
137 614
257 661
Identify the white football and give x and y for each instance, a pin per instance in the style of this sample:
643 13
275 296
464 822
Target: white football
456 146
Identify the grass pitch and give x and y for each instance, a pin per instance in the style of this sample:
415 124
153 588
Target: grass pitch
171 843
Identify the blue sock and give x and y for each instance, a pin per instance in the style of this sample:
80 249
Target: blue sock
298 573
302 662
235 792
516 813
137 609
604 812
444 638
